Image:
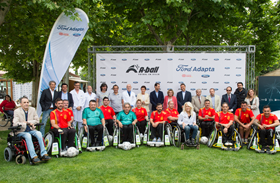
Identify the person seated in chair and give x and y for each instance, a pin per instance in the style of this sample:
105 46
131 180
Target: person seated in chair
125 120
142 117
158 119
172 114
27 117
61 124
206 115
94 118
68 109
187 121
9 106
266 123
109 115
224 120
245 117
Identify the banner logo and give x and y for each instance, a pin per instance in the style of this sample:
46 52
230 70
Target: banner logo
216 59
113 82
205 76
192 89
124 59
146 59
227 67
238 59
204 82
184 68
64 27
113 67
142 70
226 82
193 59
169 59
102 59
76 35
238 75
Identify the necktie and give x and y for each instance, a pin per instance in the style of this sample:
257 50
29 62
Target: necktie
229 98
199 100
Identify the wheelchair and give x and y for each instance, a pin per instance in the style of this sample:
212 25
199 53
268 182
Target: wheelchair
179 138
17 147
255 138
5 119
167 136
86 140
215 140
250 135
118 134
54 145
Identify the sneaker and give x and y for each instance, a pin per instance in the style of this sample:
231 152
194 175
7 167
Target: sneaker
63 153
36 160
46 157
187 142
193 141
154 140
158 140
246 141
262 149
242 140
141 135
229 143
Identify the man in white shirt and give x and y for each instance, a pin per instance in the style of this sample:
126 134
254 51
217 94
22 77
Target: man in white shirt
215 100
89 95
129 96
79 102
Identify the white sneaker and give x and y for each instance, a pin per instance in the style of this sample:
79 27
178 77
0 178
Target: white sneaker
242 141
226 143
141 135
229 143
158 140
154 140
63 153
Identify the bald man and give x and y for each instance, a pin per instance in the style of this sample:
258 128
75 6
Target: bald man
89 95
198 101
129 96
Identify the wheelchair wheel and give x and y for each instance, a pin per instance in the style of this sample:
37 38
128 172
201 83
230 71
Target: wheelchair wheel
20 159
212 138
8 154
251 140
4 119
49 139
177 143
239 139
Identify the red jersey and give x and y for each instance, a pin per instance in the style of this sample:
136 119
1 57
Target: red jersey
108 112
70 112
61 118
267 121
244 117
7 105
158 117
210 112
224 118
140 113
172 113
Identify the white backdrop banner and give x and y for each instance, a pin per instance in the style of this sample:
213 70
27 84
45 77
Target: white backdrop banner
64 40
197 70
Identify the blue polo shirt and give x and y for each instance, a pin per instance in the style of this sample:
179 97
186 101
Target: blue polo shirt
126 119
93 117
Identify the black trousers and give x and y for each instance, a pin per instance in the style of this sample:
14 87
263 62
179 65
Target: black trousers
127 132
158 129
141 126
227 136
206 127
109 125
266 134
92 129
68 134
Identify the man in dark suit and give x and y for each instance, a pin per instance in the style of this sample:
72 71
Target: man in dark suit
65 95
230 99
182 97
47 102
156 97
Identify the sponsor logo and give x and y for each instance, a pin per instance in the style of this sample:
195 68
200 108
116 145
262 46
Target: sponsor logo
216 59
204 59
216 89
148 89
135 88
124 59
227 75
205 76
138 69
215 82
227 59
76 35
186 75
135 82
169 89
158 82
113 82
204 82
63 34
113 74
181 59
64 27
158 59
102 74
135 59
180 82
124 82
102 59
113 67
146 59
193 59
147 82
238 75
238 59
193 82
238 67
192 89
102 67
226 82
186 68
113 59
227 67
204 89
169 59
169 82
123 88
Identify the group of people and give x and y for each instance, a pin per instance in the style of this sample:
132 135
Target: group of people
68 111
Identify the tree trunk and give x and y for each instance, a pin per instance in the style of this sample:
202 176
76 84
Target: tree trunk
35 83
4 9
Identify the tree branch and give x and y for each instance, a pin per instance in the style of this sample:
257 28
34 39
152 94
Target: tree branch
4 10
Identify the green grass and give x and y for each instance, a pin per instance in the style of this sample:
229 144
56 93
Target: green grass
147 164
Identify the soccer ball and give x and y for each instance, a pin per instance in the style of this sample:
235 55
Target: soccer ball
126 146
72 152
203 140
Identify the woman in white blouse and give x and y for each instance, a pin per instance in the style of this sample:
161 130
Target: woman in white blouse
253 102
145 99
187 121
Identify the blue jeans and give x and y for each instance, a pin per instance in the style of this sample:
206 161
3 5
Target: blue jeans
28 138
46 115
10 112
188 129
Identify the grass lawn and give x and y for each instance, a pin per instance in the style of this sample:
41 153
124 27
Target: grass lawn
147 164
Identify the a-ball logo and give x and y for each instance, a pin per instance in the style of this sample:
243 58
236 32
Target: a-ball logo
205 76
204 82
138 69
102 74
226 82
227 67
192 89
135 82
124 59
146 59
113 67
113 82
238 75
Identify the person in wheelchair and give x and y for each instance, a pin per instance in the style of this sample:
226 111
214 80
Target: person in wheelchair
69 110
27 117
172 114
158 119
8 105
245 118
224 120
125 120
206 115
61 124
142 116
94 119
266 123
187 121
109 115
